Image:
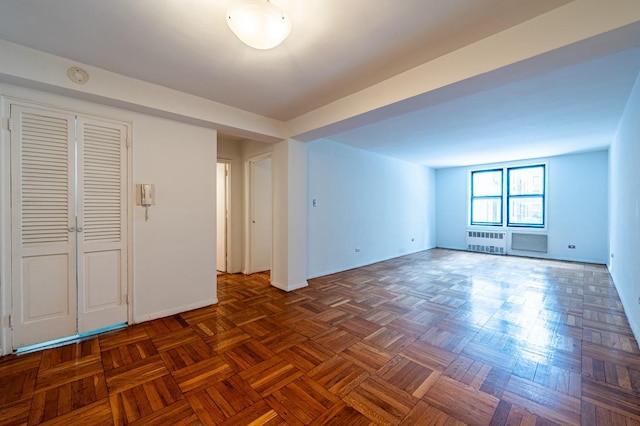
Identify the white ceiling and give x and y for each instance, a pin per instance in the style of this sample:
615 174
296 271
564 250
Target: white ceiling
337 48
572 109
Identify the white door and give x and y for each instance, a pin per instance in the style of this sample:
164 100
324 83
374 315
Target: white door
43 226
68 273
101 227
221 217
261 215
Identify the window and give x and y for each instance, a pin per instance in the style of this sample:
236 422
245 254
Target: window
486 197
525 196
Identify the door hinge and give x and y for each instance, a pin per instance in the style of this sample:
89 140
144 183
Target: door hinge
9 124
10 321
125 299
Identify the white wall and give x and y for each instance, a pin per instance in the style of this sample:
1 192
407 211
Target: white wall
174 252
366 201
624 209
289 256
254 149
577 196
451 207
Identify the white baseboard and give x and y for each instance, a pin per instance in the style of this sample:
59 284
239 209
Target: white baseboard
365 263
290 287
168 312
635 327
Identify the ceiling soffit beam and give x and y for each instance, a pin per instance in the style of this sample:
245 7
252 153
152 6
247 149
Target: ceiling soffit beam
38 70
578 21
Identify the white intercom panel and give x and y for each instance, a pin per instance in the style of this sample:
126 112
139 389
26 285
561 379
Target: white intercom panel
146 197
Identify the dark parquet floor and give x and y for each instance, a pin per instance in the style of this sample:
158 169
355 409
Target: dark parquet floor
438 337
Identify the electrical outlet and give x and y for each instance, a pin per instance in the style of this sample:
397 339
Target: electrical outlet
571 246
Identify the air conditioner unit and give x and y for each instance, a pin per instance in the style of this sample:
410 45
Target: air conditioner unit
529 242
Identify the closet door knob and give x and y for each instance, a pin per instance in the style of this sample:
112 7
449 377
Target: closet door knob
72 229
79 229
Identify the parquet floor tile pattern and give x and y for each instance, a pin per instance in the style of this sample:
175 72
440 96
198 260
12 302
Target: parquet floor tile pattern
438 337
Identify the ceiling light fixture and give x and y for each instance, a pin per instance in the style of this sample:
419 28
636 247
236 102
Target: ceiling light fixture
77 75
258 23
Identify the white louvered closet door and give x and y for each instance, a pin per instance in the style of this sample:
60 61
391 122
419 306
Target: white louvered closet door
43 224
102 240
69 260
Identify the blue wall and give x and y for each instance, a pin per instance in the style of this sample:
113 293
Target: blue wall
367 201
577 199
624 210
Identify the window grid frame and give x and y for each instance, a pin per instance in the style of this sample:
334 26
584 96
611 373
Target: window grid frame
488 197
542 196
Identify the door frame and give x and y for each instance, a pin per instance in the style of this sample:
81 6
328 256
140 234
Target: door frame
248 202
6 211
228 214
131 202
5 229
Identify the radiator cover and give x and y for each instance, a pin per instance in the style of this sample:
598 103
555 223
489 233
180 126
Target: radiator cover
487 242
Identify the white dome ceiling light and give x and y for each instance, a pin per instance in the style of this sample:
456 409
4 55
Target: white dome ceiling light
258 23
